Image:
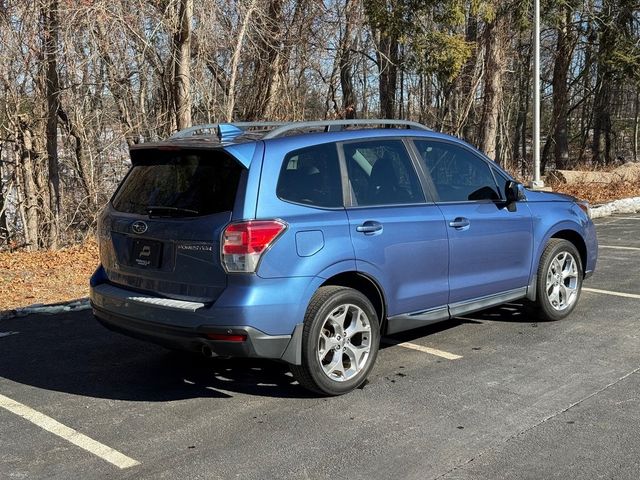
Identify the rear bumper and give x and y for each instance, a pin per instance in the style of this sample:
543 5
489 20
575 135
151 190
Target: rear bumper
268 311
194 339
273 306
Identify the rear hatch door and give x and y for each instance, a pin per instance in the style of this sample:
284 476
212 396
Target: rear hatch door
161 231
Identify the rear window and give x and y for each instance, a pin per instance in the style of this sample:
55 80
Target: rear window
184 183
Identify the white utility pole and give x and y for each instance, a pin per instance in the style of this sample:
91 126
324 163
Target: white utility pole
537 180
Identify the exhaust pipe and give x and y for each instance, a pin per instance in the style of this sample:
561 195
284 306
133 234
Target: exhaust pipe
207 352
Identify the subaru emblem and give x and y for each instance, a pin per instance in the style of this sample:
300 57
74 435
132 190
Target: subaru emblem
139 227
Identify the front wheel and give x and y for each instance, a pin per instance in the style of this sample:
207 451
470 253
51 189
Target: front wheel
559 280
340 341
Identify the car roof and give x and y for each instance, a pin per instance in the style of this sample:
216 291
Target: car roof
223 134
234 137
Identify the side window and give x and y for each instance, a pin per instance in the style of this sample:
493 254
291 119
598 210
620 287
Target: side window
457 174
502 181
311 176
381 173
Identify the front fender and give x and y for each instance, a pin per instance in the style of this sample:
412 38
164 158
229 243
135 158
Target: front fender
552 218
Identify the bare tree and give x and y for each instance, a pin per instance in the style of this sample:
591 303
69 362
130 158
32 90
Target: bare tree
51 33
83 81
182 64
495 44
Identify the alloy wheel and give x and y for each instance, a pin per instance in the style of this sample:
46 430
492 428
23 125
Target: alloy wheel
344 343
562 281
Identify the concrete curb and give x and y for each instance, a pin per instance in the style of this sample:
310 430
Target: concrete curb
51 309
624 205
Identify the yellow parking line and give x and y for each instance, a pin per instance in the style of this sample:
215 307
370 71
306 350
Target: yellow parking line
608 292
69 434
420 348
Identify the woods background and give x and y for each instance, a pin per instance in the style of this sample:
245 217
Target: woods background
81 80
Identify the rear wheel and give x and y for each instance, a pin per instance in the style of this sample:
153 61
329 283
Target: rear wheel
559 280
340 341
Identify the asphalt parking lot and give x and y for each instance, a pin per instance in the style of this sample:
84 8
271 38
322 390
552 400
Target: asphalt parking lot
489 396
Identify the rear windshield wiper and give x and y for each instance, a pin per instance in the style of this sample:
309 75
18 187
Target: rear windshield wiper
162 211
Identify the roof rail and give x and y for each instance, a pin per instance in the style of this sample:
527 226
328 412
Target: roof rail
191 131
337 125
228 131
224 131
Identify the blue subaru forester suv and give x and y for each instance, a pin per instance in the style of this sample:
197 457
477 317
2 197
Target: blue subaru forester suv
305 242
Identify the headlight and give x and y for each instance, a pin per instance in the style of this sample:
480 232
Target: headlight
584 206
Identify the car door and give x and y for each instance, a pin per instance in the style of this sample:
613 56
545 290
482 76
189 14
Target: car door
490 243
398 237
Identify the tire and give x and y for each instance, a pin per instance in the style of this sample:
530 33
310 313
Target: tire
340 341
559 281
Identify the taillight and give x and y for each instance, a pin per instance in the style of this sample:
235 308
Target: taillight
243 243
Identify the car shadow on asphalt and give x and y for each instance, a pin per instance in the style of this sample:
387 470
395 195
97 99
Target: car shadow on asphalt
73 353
415 334
512 312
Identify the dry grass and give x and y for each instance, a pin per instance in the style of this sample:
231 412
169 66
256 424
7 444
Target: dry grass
596 193
601 185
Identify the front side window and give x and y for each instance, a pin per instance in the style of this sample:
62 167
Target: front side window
381 173
311 176
502 181
457 174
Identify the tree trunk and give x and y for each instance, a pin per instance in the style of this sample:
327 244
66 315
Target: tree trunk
349 101
268 37
601 146
235 60
27 185
119 87
564 52
636 118
612 26
468 82
387 59
51 27
520 133
586 111
495 45
83 164
182 65
4 226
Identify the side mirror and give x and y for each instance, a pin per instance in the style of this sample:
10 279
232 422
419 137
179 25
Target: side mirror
512 191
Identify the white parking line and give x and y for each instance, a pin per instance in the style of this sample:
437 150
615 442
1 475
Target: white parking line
49 424
606 220
420 348
7 334
608 292
618 247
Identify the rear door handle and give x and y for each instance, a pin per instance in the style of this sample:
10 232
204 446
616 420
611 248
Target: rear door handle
460 222
369 227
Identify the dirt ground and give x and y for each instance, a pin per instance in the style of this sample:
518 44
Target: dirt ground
600 185
28 278
597 193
